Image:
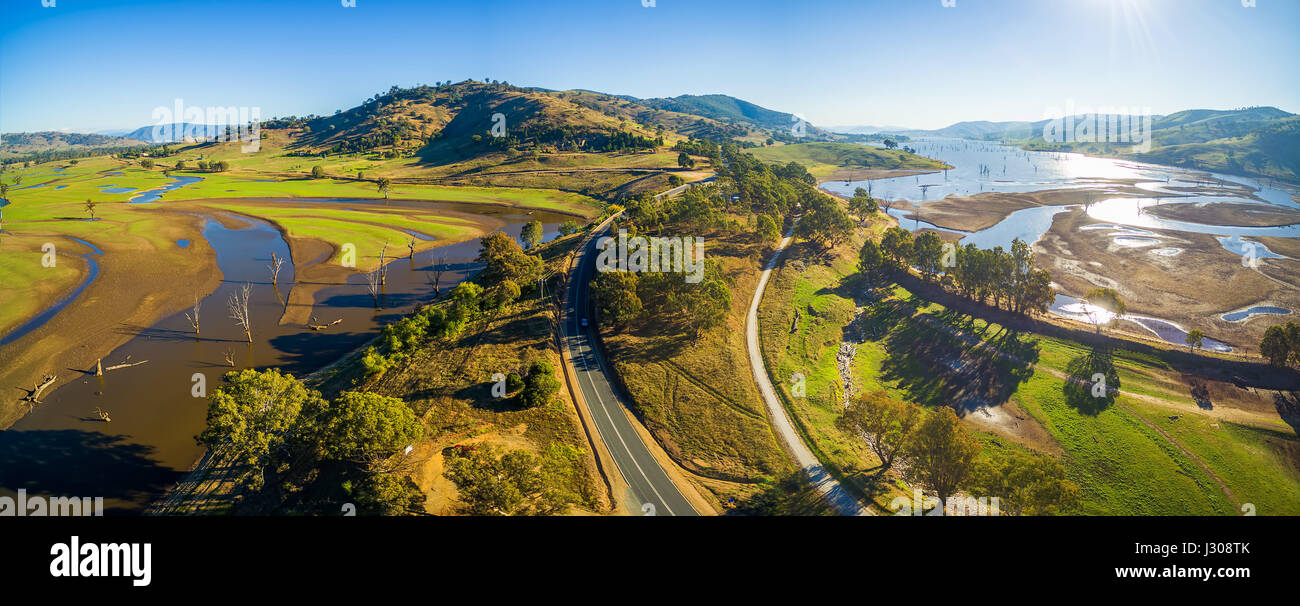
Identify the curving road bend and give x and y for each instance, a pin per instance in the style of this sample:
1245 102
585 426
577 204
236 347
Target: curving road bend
650 485
831 490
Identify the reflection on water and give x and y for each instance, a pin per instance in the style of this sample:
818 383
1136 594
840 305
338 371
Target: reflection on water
155 194
1082 311
1243 247
1135 241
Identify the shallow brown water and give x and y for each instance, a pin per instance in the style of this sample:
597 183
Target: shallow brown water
62 448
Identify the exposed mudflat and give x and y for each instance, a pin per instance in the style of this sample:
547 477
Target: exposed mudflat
984 210
1228 213
1192 288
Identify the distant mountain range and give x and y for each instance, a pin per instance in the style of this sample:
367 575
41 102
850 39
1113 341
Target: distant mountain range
866 129
171 133
17 144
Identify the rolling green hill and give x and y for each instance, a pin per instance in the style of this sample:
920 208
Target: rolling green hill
829 160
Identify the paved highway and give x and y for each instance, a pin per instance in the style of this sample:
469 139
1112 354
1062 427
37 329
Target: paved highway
654 492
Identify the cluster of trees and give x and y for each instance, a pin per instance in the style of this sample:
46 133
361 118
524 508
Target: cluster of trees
568 137
862 205
1010 280
626 298
398 340
216 166
493 482
767 193
944 459
505 261
51 155
383 132
1281 344
506 268
699 147
625 141
536 387
569 227
280 433
824 222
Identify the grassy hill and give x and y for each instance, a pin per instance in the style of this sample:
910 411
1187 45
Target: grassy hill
1262 141
1271 150
454 122
828 160
686 123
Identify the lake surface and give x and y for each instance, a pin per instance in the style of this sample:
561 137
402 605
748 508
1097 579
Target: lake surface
155 194
1238 316
62 448
991 167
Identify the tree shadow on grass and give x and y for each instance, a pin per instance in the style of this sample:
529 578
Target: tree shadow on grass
1288 407
791 495
1201 394
1093 381
653 348
937 367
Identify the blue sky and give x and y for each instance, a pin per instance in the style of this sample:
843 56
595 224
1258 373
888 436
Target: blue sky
89 65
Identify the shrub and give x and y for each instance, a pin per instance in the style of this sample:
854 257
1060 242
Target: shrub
540 385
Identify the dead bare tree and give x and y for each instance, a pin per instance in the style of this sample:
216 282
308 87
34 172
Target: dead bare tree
33 396
373 283
315 324
193 317
276 262
229 356
383 271
410 247
238 307
437 270
101 369
102 414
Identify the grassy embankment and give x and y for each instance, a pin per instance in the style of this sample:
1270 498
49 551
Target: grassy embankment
1154 451
697 398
